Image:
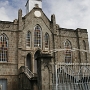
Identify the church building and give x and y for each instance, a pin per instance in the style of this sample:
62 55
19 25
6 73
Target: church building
37 54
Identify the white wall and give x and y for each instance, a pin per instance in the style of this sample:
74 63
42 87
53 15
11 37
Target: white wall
31 4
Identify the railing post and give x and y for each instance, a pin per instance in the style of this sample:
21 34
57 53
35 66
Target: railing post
25 68
56 77
28 72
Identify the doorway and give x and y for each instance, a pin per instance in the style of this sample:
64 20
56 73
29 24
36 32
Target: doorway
28 61
37 54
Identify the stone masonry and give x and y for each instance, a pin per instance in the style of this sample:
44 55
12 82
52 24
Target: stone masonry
16 32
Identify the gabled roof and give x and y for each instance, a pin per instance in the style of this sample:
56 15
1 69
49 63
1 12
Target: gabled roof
35 8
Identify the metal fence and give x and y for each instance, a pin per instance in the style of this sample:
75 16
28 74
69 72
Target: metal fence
73 76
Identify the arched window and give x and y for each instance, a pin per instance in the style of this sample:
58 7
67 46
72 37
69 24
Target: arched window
37 36
28 39
3 47
68 53
46 40
85 53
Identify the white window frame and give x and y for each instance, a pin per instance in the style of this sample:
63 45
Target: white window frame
28 37
37 38
47 40
3 48
67 55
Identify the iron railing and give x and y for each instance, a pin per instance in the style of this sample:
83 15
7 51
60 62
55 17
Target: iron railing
71 76
25 70
28 72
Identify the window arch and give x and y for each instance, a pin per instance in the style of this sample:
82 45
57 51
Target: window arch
28 39
3 47
68 53
46 40
37 36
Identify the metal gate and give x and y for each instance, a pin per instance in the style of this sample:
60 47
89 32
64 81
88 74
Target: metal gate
73 76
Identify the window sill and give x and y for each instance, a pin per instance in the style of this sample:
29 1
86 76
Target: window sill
5 62
46 49
28 48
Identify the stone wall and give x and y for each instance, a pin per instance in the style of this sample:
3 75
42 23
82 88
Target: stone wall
16 32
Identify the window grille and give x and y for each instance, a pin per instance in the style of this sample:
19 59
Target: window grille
28 39
46 40
3 47
37 36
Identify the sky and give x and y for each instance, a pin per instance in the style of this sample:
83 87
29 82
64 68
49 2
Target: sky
69 13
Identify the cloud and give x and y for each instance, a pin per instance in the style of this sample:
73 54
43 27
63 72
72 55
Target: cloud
3 15
70 13
9 9
70 10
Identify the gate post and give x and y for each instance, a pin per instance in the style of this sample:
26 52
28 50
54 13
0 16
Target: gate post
56 77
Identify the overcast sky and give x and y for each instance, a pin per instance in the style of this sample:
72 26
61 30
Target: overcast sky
69 13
